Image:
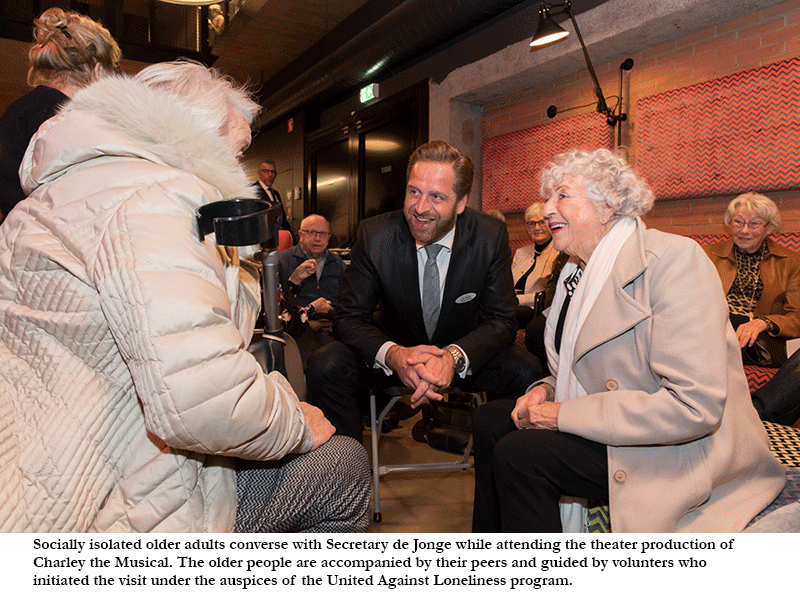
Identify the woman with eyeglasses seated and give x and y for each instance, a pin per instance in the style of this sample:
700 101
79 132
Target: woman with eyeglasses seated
532 265
761 280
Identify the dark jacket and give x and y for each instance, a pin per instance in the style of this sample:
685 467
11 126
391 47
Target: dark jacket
262 195
311 289
478 305
19 122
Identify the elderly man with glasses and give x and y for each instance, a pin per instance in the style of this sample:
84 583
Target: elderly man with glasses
313 275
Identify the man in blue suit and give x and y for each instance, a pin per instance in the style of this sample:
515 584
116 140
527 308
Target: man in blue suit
440 275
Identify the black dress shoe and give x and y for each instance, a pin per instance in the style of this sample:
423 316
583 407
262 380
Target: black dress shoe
390 422
404 411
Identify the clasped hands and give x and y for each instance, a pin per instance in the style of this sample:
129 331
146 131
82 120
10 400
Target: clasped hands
536 409
425 369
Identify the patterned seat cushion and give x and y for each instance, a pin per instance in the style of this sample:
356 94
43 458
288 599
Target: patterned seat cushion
784 442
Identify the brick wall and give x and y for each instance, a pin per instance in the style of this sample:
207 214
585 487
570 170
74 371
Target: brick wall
751 41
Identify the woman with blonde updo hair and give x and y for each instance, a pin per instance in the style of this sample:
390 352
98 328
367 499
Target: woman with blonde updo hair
69 52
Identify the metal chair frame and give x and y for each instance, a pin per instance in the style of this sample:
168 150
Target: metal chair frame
376 428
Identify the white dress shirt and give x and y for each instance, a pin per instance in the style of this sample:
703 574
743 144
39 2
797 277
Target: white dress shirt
443 262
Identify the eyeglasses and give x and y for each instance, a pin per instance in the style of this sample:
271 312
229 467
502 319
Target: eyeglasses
273 171
542 224
753 225
319 234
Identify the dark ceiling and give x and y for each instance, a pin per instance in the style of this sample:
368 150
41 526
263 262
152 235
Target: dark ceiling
302 51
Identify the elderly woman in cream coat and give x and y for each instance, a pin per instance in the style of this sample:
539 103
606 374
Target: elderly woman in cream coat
648 406
128 400
532 265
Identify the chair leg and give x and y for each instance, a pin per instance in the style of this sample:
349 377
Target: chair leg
376 426
375 431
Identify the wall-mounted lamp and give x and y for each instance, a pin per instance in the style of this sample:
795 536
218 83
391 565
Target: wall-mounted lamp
548 31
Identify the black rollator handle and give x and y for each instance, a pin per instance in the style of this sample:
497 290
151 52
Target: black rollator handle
245 222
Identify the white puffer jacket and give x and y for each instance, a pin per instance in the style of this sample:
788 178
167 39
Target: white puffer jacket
125 384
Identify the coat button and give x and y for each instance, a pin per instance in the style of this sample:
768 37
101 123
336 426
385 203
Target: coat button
620 475
611 385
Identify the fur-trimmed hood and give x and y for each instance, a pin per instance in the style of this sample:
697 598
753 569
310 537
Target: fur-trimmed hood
126 389
121 117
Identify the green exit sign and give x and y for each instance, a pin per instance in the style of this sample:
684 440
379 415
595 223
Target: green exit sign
369 93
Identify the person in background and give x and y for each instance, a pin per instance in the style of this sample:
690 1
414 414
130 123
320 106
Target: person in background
762 281
216 23
534 330
760 278
532 265
648 406
266 177
125 384
441 274
313 275
493 212
70 51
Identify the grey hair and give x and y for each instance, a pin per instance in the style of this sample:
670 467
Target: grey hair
207 93
759 204
536 207
608 178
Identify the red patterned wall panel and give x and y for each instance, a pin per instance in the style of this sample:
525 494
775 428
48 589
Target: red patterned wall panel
512 162
725 136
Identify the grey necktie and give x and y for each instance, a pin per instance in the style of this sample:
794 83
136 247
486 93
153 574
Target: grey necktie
430 289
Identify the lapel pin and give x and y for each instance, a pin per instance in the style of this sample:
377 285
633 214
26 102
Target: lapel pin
465 298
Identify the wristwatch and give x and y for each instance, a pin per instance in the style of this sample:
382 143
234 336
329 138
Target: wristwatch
459 362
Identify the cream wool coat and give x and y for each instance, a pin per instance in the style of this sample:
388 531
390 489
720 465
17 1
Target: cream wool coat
125 384
539 277
667 394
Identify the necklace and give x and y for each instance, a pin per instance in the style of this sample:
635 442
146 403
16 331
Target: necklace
748 268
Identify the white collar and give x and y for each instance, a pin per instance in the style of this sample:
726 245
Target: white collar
446 241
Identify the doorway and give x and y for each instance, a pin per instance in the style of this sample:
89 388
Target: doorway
356 170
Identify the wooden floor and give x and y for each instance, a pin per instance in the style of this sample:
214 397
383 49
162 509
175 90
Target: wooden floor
421 502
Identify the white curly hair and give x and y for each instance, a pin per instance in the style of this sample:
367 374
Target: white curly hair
609 180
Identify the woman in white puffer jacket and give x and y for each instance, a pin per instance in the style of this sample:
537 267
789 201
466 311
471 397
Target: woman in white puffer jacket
128 400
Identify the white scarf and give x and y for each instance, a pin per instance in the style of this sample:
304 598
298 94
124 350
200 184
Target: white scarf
595 274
